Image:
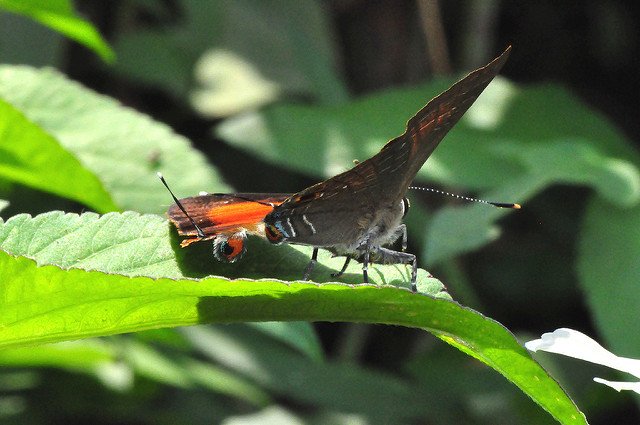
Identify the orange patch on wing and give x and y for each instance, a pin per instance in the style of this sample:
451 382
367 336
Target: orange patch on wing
245 215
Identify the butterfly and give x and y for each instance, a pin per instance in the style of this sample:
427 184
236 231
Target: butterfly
355 214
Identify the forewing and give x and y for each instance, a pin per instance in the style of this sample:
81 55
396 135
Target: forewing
346 204
401 158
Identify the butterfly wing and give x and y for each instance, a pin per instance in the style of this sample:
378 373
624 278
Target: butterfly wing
348 204
218 214
425 130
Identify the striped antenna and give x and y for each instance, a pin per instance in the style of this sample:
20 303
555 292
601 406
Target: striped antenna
466 198
201 234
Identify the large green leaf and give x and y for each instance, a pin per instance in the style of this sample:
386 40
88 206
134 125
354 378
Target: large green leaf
131 280
123 148
30 156
60 16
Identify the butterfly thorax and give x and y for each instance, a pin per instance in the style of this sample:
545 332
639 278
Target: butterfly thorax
344 231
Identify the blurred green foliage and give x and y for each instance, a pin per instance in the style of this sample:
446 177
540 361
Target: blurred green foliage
263 91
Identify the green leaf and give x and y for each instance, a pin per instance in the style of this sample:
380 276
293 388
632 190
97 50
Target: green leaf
286 373
46 303
608 267
280 56
578 162
299 335
94 357
456 230
113 361
303 44
447 377
123 148
228 84
183 372
550 112
493 141
33 158
324 140
136 245
59 16
224 382
78 356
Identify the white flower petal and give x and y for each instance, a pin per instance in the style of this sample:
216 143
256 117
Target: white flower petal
619 386
575 344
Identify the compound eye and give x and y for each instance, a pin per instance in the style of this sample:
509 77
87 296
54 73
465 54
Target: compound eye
273 233
229 248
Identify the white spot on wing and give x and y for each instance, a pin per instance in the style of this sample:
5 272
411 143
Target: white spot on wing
293 232
308 223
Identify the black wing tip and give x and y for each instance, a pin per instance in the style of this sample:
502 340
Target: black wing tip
506 205
501 59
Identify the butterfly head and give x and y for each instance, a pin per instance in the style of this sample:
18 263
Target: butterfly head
275 232
278 226
229 248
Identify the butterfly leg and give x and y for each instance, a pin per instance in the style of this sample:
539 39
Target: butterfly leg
364 250
365 265
388 256
400 233
403 228
311 265
343 269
